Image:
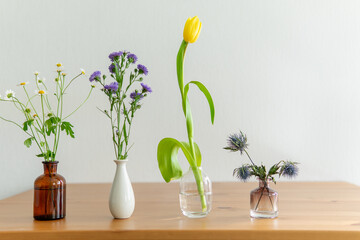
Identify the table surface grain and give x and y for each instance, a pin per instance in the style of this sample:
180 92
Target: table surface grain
307 210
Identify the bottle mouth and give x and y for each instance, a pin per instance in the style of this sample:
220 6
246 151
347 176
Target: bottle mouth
120 161
50 162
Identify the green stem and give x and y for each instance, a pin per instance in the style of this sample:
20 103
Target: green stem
79 105
200 186
43 127
70 82
249 157
7 120
29 99
58 97
189 123
57 136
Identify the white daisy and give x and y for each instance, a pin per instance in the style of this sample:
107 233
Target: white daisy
82 71
59 64
36 73
9 94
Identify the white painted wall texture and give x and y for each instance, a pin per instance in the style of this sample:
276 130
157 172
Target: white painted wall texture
285 72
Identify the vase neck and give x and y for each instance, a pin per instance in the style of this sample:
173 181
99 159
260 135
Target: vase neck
50 167
194 168
263 183
121 162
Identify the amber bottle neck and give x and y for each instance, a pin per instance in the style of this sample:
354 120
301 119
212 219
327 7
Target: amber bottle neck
50 167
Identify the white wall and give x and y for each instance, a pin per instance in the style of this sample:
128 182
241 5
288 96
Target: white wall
285 72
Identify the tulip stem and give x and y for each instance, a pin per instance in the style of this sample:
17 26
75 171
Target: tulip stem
189 124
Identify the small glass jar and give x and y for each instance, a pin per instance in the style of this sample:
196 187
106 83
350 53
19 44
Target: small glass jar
50 194
263 201
195 196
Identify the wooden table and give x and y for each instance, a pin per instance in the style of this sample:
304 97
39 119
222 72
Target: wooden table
307 211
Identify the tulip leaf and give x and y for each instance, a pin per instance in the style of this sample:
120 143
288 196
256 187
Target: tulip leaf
197 153
167 153
207 95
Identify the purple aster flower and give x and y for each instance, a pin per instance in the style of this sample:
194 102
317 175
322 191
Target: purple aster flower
112 86
132 58
146 88
95 76
112 68
142 69
113 55
135 94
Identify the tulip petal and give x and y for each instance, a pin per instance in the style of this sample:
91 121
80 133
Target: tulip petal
192 29
197 34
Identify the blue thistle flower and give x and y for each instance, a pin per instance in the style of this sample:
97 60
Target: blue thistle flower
289 169
243 173
237 142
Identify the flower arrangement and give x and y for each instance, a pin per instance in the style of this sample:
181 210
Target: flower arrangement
121 112
238 143
44 121
169 147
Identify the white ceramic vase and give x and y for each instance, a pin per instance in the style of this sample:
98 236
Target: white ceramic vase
122 200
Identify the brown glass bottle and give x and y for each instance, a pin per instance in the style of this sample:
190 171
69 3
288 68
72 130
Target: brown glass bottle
50 194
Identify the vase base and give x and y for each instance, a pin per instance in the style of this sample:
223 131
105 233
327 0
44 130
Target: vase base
263 214
195 214
47 218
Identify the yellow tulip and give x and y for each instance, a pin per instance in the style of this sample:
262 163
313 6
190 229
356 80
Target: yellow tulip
192 29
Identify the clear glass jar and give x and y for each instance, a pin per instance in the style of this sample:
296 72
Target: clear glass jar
195 196
263 201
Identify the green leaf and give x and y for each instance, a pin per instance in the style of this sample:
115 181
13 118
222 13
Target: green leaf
207 95
68 129
28 142
47 155
125 134
27 124
51 124
197 153
167 153
273 179
273 170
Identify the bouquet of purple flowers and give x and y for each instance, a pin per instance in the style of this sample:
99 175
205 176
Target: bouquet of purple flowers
121 108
